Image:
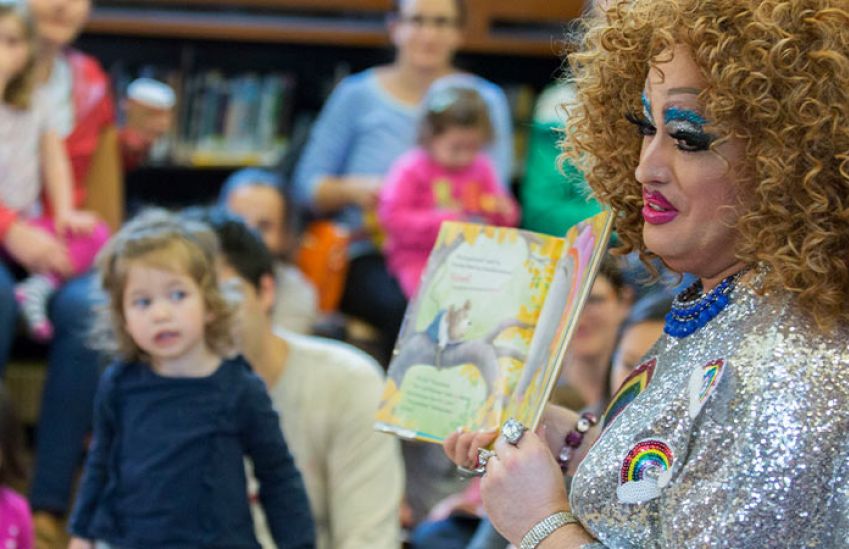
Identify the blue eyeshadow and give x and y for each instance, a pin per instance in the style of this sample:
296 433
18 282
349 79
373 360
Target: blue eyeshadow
673 114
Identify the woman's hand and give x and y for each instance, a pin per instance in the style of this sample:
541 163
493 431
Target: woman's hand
504 205
75 222
462 447
362 191
522 485
555 424
334 193
36 250
79 543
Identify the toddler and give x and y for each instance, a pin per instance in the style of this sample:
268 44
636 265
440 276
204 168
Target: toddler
448 177
31 151
173 417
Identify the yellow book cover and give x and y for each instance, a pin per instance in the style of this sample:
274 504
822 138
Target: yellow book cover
484 338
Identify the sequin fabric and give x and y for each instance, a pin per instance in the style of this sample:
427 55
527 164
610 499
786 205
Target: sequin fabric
765 460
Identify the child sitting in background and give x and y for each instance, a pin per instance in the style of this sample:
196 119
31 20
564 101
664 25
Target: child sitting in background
447 177
257 197
30 149
173 419
16 531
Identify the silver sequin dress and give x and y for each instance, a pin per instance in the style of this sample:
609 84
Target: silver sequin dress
736 436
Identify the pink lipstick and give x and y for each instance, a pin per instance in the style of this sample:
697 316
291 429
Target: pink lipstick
656 209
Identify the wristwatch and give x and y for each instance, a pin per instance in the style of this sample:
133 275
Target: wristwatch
545 527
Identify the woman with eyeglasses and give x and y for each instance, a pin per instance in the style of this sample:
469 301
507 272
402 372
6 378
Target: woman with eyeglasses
369 120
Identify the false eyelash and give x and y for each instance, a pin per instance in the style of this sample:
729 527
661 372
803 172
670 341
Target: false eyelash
644 127
692 141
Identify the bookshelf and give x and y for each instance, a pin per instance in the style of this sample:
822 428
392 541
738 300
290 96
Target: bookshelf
309 43
526 28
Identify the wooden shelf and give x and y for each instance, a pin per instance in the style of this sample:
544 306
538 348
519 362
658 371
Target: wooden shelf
527 28
248 28
379 6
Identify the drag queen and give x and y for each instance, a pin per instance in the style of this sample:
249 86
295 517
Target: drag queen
718 131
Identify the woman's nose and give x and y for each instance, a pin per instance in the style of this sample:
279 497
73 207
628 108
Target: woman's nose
654 161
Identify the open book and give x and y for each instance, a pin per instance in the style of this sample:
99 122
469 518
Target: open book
484 338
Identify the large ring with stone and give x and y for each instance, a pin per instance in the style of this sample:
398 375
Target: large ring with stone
513 431
465 472
484 456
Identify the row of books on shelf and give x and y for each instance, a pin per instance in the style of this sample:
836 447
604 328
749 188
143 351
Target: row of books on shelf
222 119
245 119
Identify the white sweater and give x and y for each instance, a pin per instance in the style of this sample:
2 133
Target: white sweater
327 397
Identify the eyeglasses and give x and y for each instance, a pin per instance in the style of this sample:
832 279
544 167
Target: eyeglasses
439 22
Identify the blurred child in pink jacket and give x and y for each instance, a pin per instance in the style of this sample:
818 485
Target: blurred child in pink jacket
448 177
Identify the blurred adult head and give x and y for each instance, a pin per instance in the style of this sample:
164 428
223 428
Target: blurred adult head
257 196
607 306
427 33
245 269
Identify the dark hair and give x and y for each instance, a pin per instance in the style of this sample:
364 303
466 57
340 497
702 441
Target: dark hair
453 105
257 177
611 269
11 441
460 4
241 246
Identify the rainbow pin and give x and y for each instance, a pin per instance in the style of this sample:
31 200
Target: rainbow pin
633 385
703 382
645 471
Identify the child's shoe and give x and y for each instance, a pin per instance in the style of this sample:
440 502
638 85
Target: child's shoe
33 294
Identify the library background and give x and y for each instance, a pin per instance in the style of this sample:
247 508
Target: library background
251 75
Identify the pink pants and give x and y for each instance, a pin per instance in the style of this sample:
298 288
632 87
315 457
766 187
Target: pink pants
82 249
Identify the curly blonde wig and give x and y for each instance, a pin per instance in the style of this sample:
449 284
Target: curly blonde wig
156 238
777 74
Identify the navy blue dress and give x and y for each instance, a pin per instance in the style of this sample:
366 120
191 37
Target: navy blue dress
166 468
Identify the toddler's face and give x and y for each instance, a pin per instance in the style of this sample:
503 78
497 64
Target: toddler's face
165 313
14 49
457 147
59 21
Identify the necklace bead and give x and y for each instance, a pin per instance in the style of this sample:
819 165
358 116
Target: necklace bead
691 310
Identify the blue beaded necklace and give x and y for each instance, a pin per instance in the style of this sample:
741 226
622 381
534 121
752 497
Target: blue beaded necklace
691 310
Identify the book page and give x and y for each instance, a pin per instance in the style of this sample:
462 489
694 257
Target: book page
466 334
586 244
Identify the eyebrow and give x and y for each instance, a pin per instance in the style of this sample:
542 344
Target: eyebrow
689 91
137 292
